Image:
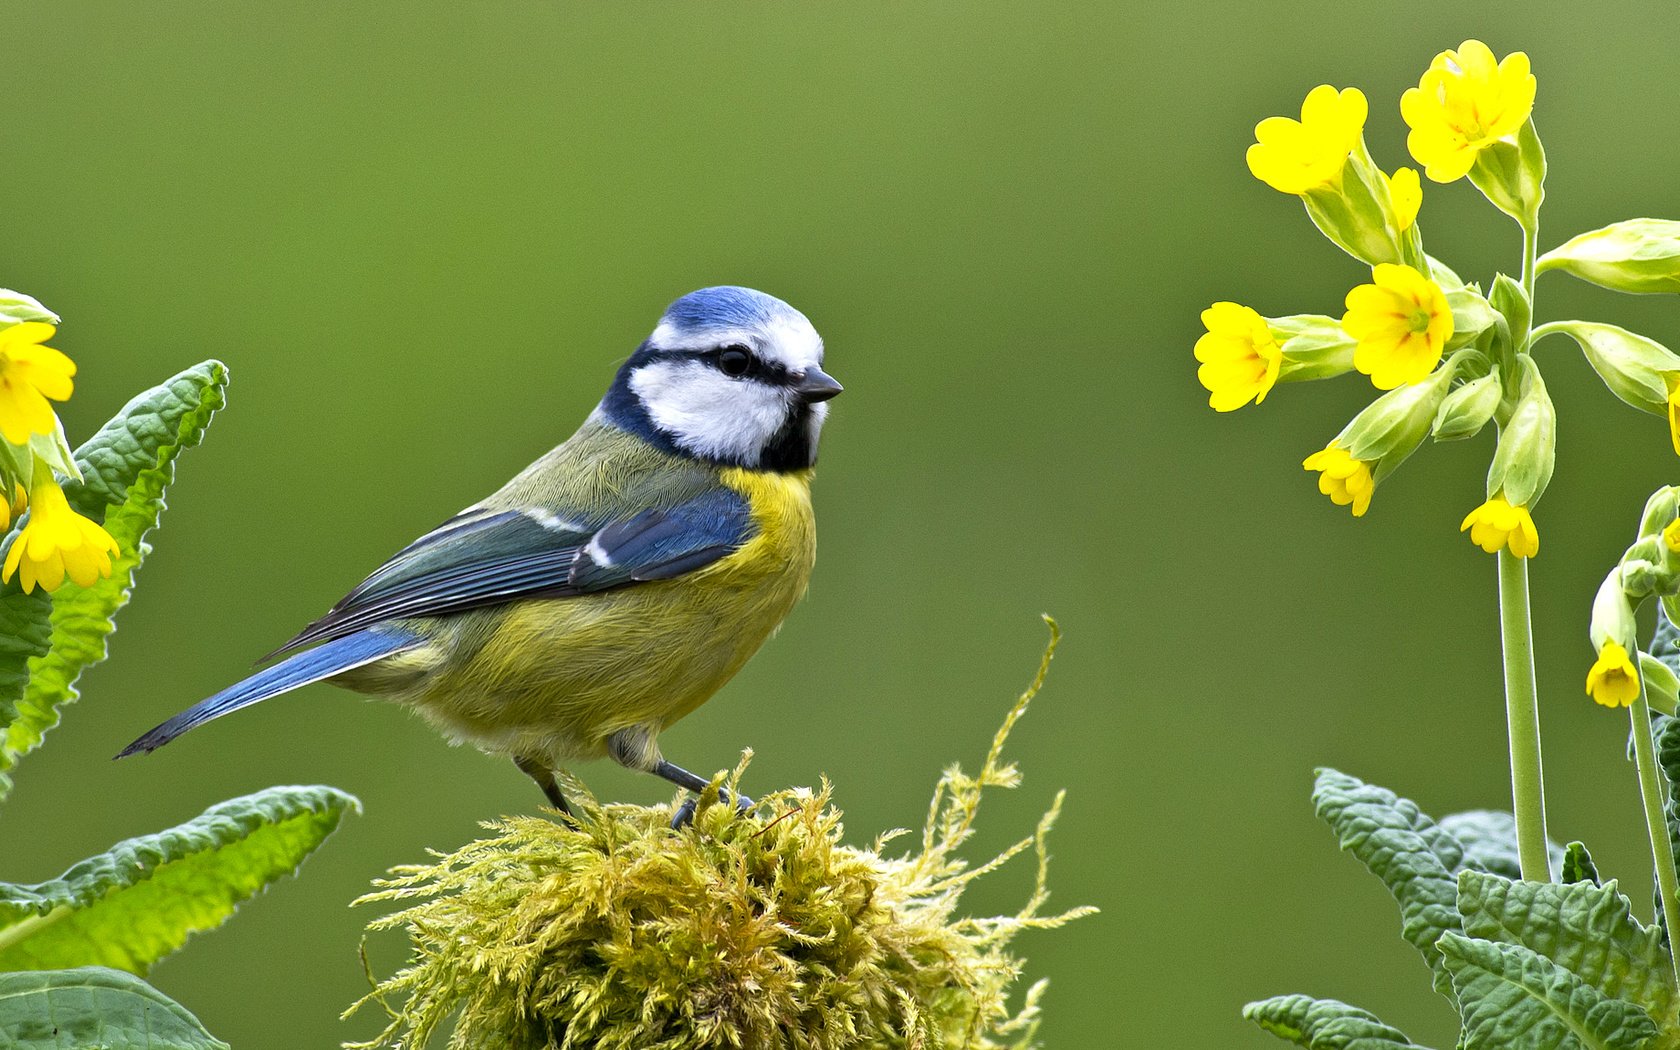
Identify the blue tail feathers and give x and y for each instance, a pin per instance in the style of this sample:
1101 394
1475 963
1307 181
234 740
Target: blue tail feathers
312 665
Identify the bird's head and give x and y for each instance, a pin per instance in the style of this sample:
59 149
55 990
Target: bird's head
729 376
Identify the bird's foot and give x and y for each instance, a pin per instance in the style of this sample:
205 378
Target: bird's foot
685 812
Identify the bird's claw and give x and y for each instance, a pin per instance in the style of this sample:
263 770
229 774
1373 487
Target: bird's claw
685 812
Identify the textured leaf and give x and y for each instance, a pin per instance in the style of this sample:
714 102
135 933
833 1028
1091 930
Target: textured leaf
137 902
1489 838
1404 848
1665 733
1578 864
1324 1024
1512 999
93 1007
1589 930
126 468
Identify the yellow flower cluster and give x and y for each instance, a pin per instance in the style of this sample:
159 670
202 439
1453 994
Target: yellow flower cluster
55 542
1400 328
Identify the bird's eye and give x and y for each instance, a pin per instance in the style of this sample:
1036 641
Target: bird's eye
735 361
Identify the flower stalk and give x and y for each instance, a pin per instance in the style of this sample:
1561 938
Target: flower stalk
1522 718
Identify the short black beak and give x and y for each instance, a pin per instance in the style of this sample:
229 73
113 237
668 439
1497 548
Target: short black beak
816 385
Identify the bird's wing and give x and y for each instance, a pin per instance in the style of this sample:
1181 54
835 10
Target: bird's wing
486 557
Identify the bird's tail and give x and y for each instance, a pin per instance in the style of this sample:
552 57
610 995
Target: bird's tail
312 665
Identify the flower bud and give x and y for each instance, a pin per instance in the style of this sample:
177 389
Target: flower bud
1612 614
1642 568
1508 297
1465 411
1639 255
1391 427
1636 369
1472 315
1662 511
1512 174
15 308
1522 464
1662 687
1314 347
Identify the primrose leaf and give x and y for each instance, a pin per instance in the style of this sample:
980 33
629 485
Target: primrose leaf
1324 1024
1586 929
138 901
1399 844
1578 864
1665 732
94 1007
1489 838
126 468
1511 997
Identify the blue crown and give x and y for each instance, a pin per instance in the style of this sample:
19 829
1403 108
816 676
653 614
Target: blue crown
725 306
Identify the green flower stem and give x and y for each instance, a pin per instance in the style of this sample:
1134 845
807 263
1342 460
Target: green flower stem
1645 755
1522 718
1531 243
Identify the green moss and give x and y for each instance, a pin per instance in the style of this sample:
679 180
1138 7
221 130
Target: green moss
765 932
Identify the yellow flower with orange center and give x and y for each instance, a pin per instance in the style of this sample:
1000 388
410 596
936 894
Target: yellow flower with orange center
1613 680
1295 156
30 373
1402 323
57 542
1344 479
1497 525
1240 357
1464 103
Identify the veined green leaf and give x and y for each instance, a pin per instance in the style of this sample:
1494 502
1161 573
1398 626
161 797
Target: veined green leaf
1510 997
1586 929
1324 1024
1404 848
1665 733
1489 838
1578 864
126 468
93 1007
137 902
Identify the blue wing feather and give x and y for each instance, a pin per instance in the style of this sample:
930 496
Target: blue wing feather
324 661
486 558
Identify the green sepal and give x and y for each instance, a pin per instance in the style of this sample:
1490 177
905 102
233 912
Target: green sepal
1636 255
1508 297
1314 347
1578 865
1636 369
1588 930
16 308
1402 846
1465 411
1391 428
127 467
1356 212
1512 175
140 900
1472 315
1324 1024
1511 997
1522 464
94 1008
1446 276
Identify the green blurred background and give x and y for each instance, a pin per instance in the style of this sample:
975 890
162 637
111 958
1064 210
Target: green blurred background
422 235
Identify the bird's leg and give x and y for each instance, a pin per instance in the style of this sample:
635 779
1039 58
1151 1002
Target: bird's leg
545 780
637 749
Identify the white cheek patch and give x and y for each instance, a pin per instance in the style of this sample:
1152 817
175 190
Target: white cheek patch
708 413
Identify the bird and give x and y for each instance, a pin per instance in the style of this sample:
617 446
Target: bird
612 586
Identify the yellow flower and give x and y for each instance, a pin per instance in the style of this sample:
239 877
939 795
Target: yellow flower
1497 524
1462 105
29 374
1613 680
57 542
1402 323
1672 381
1341 477
1240 358
1406 192
1671 535
11 511
1295 156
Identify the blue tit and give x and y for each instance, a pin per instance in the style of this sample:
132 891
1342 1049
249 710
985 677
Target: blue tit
613 585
